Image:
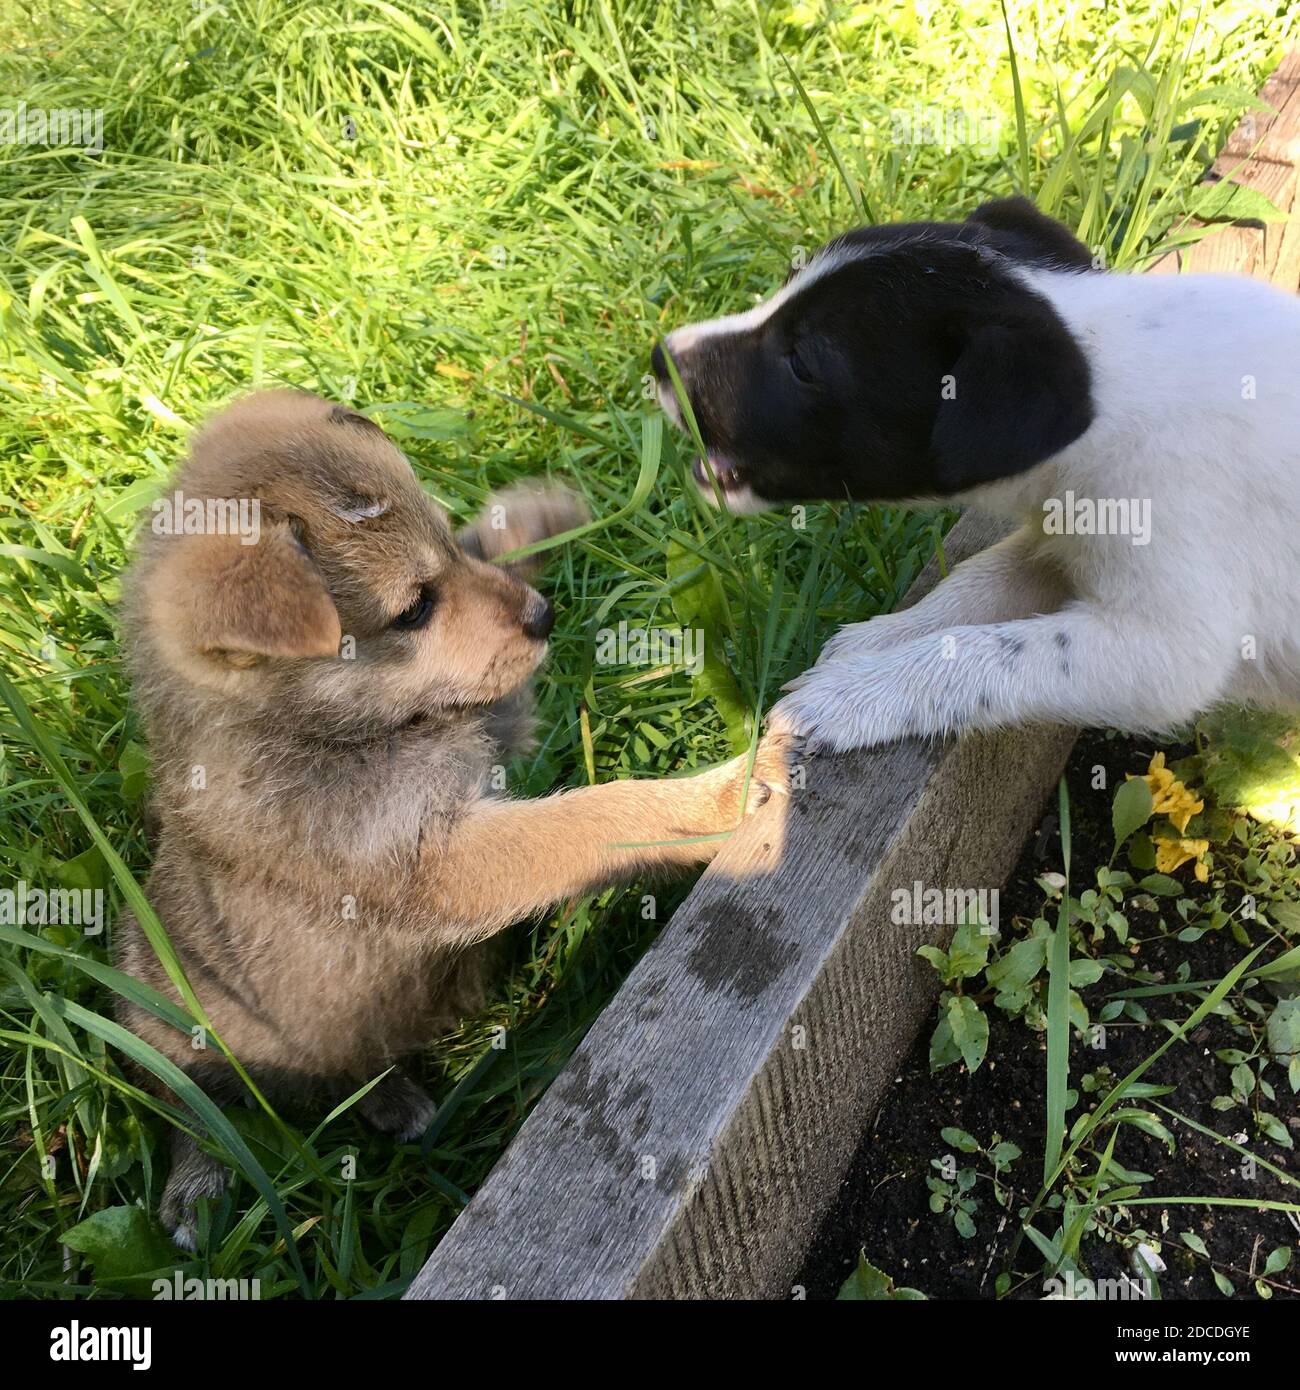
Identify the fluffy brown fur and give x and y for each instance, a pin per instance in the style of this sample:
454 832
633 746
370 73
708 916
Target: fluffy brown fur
331 862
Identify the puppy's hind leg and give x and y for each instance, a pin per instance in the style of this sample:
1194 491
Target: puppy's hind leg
194 1174
397 1106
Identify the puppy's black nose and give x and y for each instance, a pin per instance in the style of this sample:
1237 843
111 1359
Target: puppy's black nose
539 619
657 363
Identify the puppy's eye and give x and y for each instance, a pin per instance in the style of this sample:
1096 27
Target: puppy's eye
418 614
799 368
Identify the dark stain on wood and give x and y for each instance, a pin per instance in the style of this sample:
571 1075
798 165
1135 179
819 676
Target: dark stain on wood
738 948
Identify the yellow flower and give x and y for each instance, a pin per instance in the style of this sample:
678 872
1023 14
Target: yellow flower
1169 797
1173 854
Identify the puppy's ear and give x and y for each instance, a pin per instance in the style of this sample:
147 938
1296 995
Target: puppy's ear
1018 392
1020 231
214 594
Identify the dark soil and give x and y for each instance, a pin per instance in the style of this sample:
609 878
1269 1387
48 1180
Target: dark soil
883 1202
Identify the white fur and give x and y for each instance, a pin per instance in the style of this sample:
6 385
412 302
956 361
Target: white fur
1088 629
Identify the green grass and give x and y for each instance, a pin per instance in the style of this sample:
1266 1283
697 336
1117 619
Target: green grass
471 220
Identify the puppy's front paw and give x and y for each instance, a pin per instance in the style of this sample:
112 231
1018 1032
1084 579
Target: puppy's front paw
824 709
855 641
851 640
788 719
522 515
776 752
741 791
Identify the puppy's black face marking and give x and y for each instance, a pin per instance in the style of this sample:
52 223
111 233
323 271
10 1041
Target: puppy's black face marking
906 361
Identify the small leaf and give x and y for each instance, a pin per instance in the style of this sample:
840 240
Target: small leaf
970 1030
1017 967
1194 1242
869 1284
968 952
1226 201
123 1244
133 764
1141 852
1284 1031
1275 1129
959 1139
1131 809
943 1050
1148 1124
937 958
87 870
1278 1260
1005 1154
1085 972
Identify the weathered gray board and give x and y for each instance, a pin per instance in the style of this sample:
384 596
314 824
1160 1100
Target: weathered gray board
694 1139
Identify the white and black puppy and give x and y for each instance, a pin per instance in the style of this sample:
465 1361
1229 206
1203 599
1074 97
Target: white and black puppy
1144 430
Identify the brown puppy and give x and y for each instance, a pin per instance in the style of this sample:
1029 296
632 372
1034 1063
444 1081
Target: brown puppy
325 707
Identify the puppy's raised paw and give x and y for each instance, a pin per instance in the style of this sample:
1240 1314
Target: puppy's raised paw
523 515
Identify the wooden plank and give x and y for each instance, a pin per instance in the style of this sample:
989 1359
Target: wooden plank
1272 134
1229 248
699 1131
1262 153
1240 247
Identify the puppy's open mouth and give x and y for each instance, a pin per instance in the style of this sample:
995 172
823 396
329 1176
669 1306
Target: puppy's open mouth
713 469
717 477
